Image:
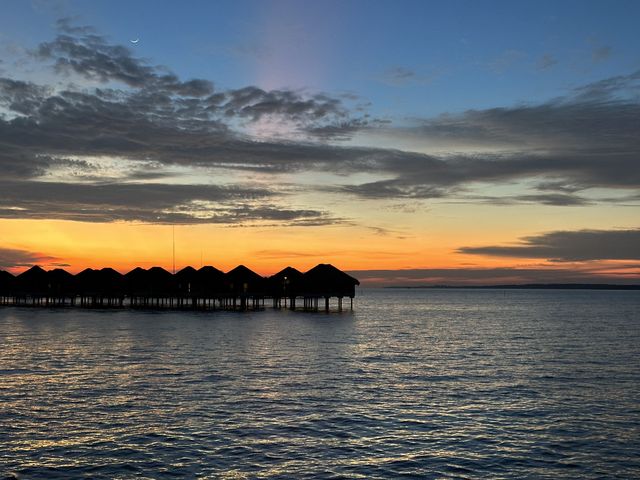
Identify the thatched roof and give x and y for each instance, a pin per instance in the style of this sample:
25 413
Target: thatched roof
289 273
110 281
159 273
160 281
35 272
86 273
243 280
326 279
6 276
185 280
243 274
327 272
7 282
287 282
60 282
59 275
155 281
33 280
210 273
186 274
136 282
209 280
136 273
109 272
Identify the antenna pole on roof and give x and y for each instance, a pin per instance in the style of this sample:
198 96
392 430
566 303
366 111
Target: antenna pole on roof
173 231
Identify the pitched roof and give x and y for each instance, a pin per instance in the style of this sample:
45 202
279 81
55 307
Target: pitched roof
288 272
243 273
34 272
325 272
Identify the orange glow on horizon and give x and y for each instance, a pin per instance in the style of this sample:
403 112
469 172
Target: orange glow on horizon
124 246
266 250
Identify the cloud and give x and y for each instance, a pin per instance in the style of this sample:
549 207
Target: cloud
559 125
424 176
141 113
150 202
582 144
82 52
546 62
11 258
601 54
553 199
625 87
403 76
584 141
399 76
489 276
569 246
506 60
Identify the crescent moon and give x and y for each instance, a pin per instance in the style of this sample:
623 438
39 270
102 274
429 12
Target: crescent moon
135 41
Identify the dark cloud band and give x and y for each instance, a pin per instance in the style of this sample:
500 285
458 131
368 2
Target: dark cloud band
569 246
151 203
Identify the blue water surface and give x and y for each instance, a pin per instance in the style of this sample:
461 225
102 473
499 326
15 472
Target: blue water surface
412 383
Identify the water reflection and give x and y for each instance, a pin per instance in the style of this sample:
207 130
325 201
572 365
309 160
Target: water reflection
436 383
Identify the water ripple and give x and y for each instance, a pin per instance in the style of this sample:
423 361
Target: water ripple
436 384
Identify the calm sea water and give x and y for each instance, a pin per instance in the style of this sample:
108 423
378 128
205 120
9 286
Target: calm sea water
413 383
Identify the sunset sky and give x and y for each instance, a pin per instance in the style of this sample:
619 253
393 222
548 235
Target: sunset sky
410 143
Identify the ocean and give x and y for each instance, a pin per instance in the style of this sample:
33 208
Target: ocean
412 383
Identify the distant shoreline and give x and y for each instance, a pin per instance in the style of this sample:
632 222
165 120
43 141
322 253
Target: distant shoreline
531 286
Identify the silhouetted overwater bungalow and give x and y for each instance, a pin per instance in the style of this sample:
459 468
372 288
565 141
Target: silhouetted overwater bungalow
325 280
88 287
207 286
161 282
200 287
111 282
185 281
100 288
286 284
210 282
32 283
245 284
7 287
240 288
150 287
242 280
136 283
86 281
6 281
61 285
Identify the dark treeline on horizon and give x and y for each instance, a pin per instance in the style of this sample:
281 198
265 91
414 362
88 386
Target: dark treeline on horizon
157 287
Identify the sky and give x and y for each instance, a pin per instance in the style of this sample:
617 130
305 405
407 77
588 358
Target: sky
409 143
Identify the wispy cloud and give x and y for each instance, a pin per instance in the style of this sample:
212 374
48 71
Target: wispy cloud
569 246
12 258
583 141
490 276
150 202
506 60
601 54
402 76
546 62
